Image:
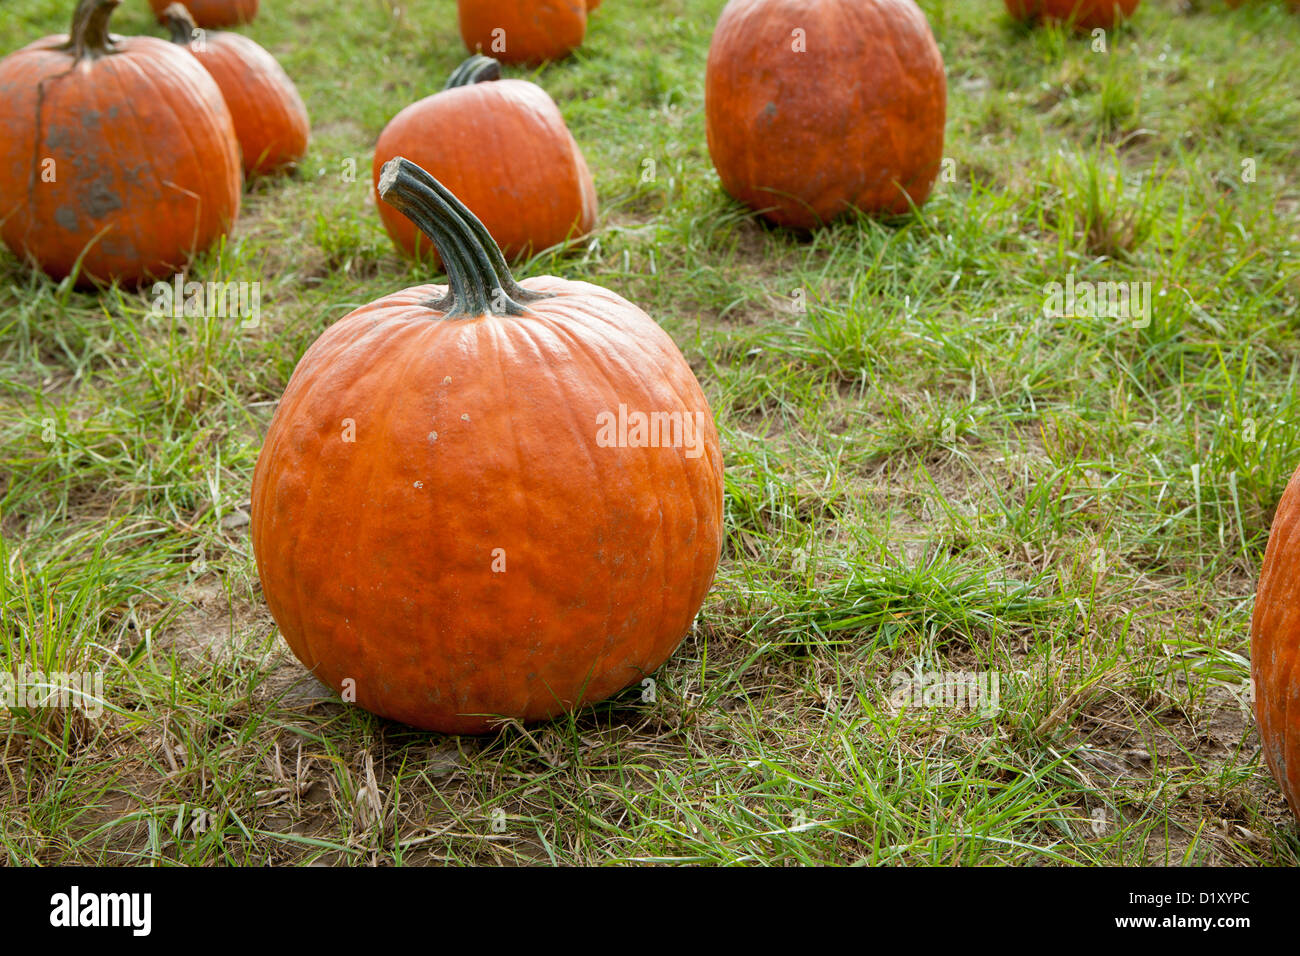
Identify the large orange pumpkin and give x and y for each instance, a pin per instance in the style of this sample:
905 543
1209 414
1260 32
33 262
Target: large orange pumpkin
489 499
1084 14
118 148
270 118
523 31
502 147
816 107
211 13
1275 646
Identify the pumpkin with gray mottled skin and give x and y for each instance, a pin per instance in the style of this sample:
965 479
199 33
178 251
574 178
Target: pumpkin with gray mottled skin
118 149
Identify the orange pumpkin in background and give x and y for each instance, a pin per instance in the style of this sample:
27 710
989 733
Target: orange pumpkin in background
211 13
1084 14
814 108
453 514
502 147
270 118
523 31
1275 646
116 150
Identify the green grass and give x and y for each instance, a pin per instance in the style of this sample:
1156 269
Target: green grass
925 473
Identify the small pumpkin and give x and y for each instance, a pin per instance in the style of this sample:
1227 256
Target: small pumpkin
1084 14
458 507
1275 647
270 118
211 13
116 150
523 31
501 146
817 107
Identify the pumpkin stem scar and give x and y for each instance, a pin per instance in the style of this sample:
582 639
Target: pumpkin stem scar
477 69
89 36
479 281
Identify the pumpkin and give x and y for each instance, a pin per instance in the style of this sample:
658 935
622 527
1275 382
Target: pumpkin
116 150
523 31
1084 14
270 119
461 511
211 13
1275 646
817 107
502 147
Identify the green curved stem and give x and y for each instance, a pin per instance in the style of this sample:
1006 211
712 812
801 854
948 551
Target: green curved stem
180 23
89 36
485 242
479 282
477 69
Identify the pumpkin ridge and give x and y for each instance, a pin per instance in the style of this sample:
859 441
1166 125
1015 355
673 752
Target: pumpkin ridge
125 99
602 484
1288 677
205 170
307 537
581 350
635 370
1275 647
38 140
209 174
501 333
399 386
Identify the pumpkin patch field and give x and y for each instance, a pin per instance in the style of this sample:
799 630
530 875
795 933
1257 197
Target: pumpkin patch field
765 432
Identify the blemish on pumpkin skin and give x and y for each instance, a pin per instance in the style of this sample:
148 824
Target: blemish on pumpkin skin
56 137
102 200
66 217
116 244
